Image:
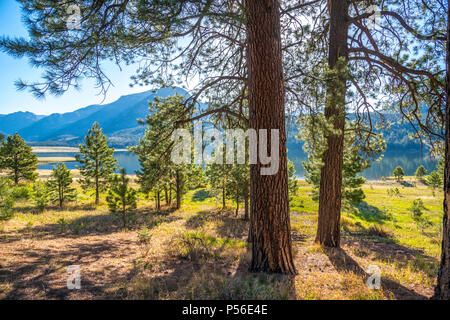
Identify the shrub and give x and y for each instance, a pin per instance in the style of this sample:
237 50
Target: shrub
399 173
420 172
434 180
21 193
417 209
6 199
41 195
121 198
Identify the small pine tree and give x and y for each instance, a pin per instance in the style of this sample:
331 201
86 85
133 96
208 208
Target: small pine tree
60 185
292 180
41 195
6 199
220 179
121 198
420 172
440 168
17 158
359 151
399 173
97 161
434 180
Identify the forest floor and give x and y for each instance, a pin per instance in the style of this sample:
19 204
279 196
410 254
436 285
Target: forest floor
200 251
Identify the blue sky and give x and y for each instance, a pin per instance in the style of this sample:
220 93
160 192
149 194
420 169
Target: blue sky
12 69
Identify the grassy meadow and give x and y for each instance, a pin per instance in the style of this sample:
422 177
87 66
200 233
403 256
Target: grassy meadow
200 251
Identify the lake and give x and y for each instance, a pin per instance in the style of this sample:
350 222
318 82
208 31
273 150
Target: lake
408 160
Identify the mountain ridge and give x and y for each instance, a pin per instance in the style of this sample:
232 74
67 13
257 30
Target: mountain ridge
118 120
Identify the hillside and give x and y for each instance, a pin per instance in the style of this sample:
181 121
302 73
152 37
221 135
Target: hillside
118 120
10 123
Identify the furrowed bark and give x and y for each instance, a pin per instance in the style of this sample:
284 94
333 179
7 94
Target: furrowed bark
328 229
270 225
442 290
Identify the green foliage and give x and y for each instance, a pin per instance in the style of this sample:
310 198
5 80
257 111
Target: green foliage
420 172
22 193
42 195
416 210
6 199
292 180
60 185
220 179
393 192
398 173
121 198
434 180
441 167
360 149
157 171
63 223
18 159
144 235
97 161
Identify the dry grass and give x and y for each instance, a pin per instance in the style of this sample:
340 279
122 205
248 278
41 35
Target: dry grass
200 252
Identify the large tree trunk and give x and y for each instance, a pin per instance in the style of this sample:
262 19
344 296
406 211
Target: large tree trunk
271 239
442 290
328 229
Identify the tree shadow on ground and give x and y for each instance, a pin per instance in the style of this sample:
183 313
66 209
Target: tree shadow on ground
201 195
98 224
232 227
406 184
41 273
370 213
212 277
393 252
343 262
201 217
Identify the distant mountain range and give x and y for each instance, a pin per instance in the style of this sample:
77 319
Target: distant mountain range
118 120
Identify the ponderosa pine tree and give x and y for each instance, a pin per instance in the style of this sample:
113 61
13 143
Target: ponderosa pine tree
17 158
270 220
368 55
398 173
420 172
121 197
443 286
60 184
155 149
359 152
6 199
42 195
152 32
220 179
97 162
